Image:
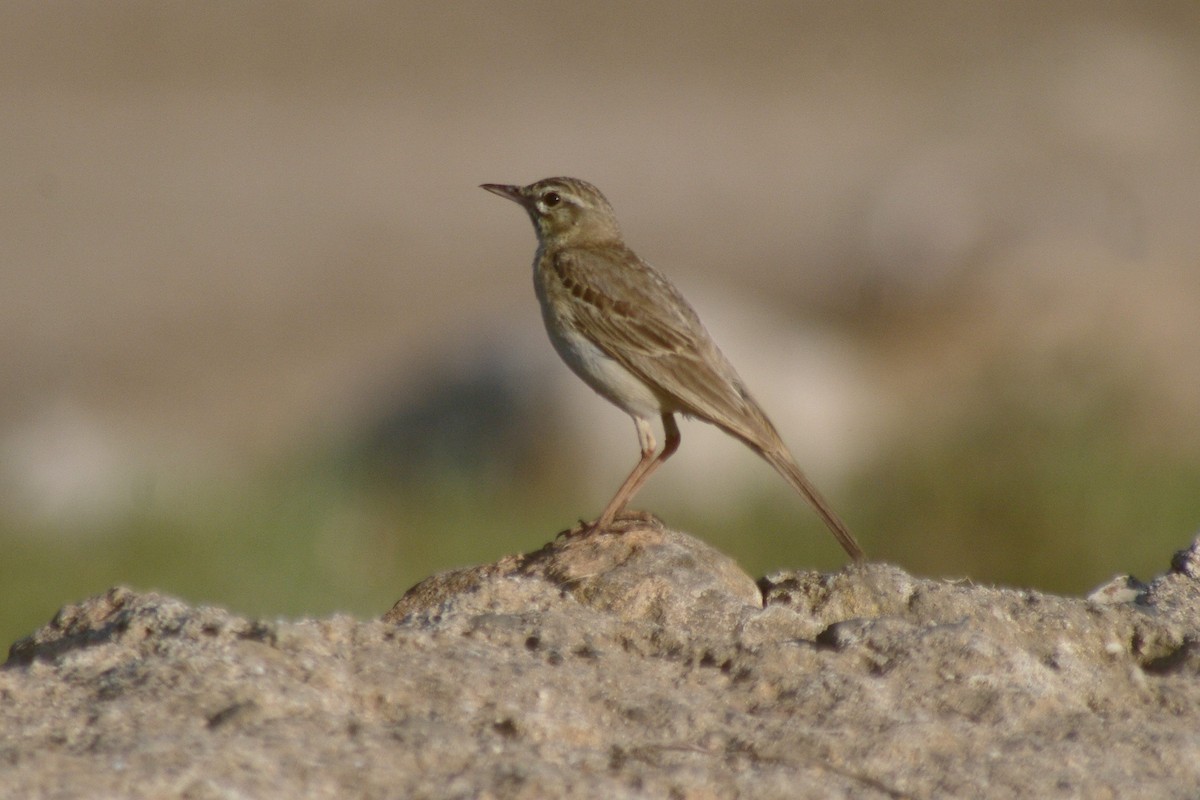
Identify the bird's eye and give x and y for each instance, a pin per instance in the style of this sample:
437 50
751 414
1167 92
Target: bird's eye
551 199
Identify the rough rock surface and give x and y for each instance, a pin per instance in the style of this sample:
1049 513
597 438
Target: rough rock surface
636 665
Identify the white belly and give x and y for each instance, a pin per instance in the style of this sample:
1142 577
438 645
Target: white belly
606 376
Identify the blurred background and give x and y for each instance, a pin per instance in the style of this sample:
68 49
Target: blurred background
267 345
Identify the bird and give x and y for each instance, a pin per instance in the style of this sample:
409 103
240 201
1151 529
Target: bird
629 334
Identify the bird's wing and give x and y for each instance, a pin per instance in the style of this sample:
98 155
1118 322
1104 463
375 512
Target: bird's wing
635 316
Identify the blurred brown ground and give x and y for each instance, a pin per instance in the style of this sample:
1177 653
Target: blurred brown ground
236 232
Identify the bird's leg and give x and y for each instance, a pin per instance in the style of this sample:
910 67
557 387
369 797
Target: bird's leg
644 468
631 484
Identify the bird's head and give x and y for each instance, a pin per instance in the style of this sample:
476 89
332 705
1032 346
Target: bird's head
565 211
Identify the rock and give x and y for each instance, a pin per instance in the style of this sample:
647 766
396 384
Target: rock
644 574
631 665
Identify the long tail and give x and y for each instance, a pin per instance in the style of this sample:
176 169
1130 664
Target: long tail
783 463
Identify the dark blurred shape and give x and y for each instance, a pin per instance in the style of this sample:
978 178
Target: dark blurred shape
480 424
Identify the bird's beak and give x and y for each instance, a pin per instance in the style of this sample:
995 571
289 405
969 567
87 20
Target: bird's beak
504 190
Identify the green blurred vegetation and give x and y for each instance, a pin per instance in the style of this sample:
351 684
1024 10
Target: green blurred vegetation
307 539
1017 490
1022 487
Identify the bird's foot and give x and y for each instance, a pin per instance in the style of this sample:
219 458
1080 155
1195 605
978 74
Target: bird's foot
625 521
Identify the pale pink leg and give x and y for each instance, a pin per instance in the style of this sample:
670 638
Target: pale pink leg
644 468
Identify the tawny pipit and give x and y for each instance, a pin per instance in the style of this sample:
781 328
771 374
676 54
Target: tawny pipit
622 327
